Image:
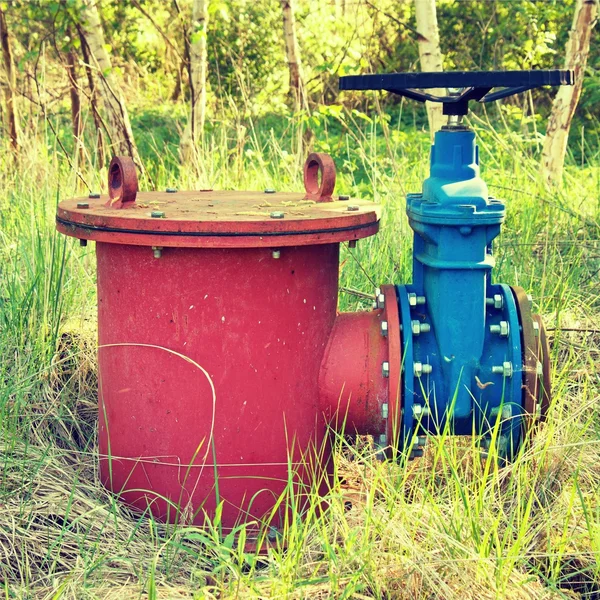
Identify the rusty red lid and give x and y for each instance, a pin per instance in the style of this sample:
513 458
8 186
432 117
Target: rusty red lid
218 219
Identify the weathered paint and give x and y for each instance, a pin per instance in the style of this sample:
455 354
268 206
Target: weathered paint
218 219
252 327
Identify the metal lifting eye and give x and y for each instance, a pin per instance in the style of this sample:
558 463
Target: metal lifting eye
319 162
122 182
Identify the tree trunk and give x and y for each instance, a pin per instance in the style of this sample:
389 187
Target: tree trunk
75 106
118 124
292 53
93 100
567 97
430 56
10 87
197 69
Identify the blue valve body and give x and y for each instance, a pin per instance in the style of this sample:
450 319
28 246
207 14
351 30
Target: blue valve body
462 356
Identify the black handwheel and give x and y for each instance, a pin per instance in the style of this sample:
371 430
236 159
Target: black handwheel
465 85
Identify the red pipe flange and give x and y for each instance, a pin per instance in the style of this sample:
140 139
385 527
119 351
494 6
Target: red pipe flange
392 317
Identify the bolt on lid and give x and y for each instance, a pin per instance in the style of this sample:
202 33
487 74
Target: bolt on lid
218 219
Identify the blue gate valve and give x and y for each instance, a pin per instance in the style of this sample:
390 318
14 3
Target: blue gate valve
475 359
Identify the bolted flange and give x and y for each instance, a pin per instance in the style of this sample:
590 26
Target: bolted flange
501 328
420 411
385 369
497 301
414 300
506 369
421 369
418 327
505 411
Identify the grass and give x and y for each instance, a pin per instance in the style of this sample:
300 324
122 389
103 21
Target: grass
448 525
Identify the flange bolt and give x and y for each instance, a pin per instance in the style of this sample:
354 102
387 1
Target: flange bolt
380 301
505 411
171 190
421 369
157 250
506 369
343 197
384 328
83 205
536 329
157 214
385 369
418 327
276 214
416 453
420 411
276 253
352 207
94 195
497 301
413 299
269 191
502 328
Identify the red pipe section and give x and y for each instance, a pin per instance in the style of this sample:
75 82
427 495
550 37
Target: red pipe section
352 387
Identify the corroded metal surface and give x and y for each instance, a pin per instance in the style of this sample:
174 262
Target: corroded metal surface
544 354
536 385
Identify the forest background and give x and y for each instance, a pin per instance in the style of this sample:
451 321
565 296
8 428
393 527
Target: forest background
234 94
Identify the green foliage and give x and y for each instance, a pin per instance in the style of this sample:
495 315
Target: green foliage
247 67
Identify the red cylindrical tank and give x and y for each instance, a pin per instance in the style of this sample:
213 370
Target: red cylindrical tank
214 313
209 362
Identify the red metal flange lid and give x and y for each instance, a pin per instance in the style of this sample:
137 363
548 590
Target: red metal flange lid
219 219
